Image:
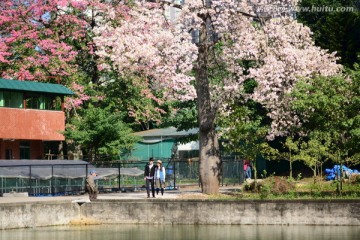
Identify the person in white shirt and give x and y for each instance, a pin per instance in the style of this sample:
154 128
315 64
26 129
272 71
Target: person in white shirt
159 178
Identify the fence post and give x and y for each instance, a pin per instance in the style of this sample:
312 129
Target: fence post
242 173
119 177
52 180
86 173
30 185
222 172
174 174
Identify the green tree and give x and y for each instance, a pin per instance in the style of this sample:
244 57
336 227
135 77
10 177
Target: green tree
289 150
337 28
128 94
244 131
100 131
330 106
314 151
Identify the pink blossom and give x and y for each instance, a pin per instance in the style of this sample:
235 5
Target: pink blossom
161 50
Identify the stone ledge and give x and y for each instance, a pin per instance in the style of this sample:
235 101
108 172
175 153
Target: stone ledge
16 194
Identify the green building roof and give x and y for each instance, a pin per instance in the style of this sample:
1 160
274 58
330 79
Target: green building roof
167 132
30 86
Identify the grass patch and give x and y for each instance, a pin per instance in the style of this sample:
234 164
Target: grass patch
284 189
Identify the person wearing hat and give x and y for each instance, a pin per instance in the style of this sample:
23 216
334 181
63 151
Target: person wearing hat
159 177
91 186
149 177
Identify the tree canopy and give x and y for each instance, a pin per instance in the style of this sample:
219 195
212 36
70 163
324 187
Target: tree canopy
176 59
336 29
99 131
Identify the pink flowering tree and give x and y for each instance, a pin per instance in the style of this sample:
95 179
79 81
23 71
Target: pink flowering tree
203 55
290 56
50 41
33 43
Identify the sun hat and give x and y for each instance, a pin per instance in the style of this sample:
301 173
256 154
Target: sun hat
159 161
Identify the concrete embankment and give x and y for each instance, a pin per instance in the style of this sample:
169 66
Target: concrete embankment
180 211
35 214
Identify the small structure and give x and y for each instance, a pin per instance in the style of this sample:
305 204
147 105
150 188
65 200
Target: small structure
164 143
56 177
32 118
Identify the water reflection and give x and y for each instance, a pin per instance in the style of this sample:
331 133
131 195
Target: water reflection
184 232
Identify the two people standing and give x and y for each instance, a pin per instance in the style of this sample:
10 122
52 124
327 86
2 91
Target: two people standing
154 176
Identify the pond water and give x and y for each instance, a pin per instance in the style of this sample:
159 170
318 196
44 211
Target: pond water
184 232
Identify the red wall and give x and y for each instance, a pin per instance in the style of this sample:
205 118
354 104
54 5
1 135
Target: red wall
36 149
30 124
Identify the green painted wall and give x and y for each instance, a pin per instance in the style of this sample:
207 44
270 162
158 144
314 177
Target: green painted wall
143 151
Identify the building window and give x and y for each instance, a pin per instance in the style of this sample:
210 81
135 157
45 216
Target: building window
43 102
8 154
33 102
24 150
11 99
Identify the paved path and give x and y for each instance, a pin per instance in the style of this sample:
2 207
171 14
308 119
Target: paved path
169 194
127 195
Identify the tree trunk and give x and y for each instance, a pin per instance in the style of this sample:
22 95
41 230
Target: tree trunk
314 174
61 150
254 168
291 169
210 164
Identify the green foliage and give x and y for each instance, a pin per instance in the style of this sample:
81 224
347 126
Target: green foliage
281 188
288 151
337 31
100 131
183 117
244 131
329 110
271 186
133 96
247 131
314 150
265 189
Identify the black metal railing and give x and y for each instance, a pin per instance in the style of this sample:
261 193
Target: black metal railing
55 179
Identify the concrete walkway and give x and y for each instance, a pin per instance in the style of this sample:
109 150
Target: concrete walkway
169 194
83 198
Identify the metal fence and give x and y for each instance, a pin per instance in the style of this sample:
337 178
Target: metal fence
26 178
179 172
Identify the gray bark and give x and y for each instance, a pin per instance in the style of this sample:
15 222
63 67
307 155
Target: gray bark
210 164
